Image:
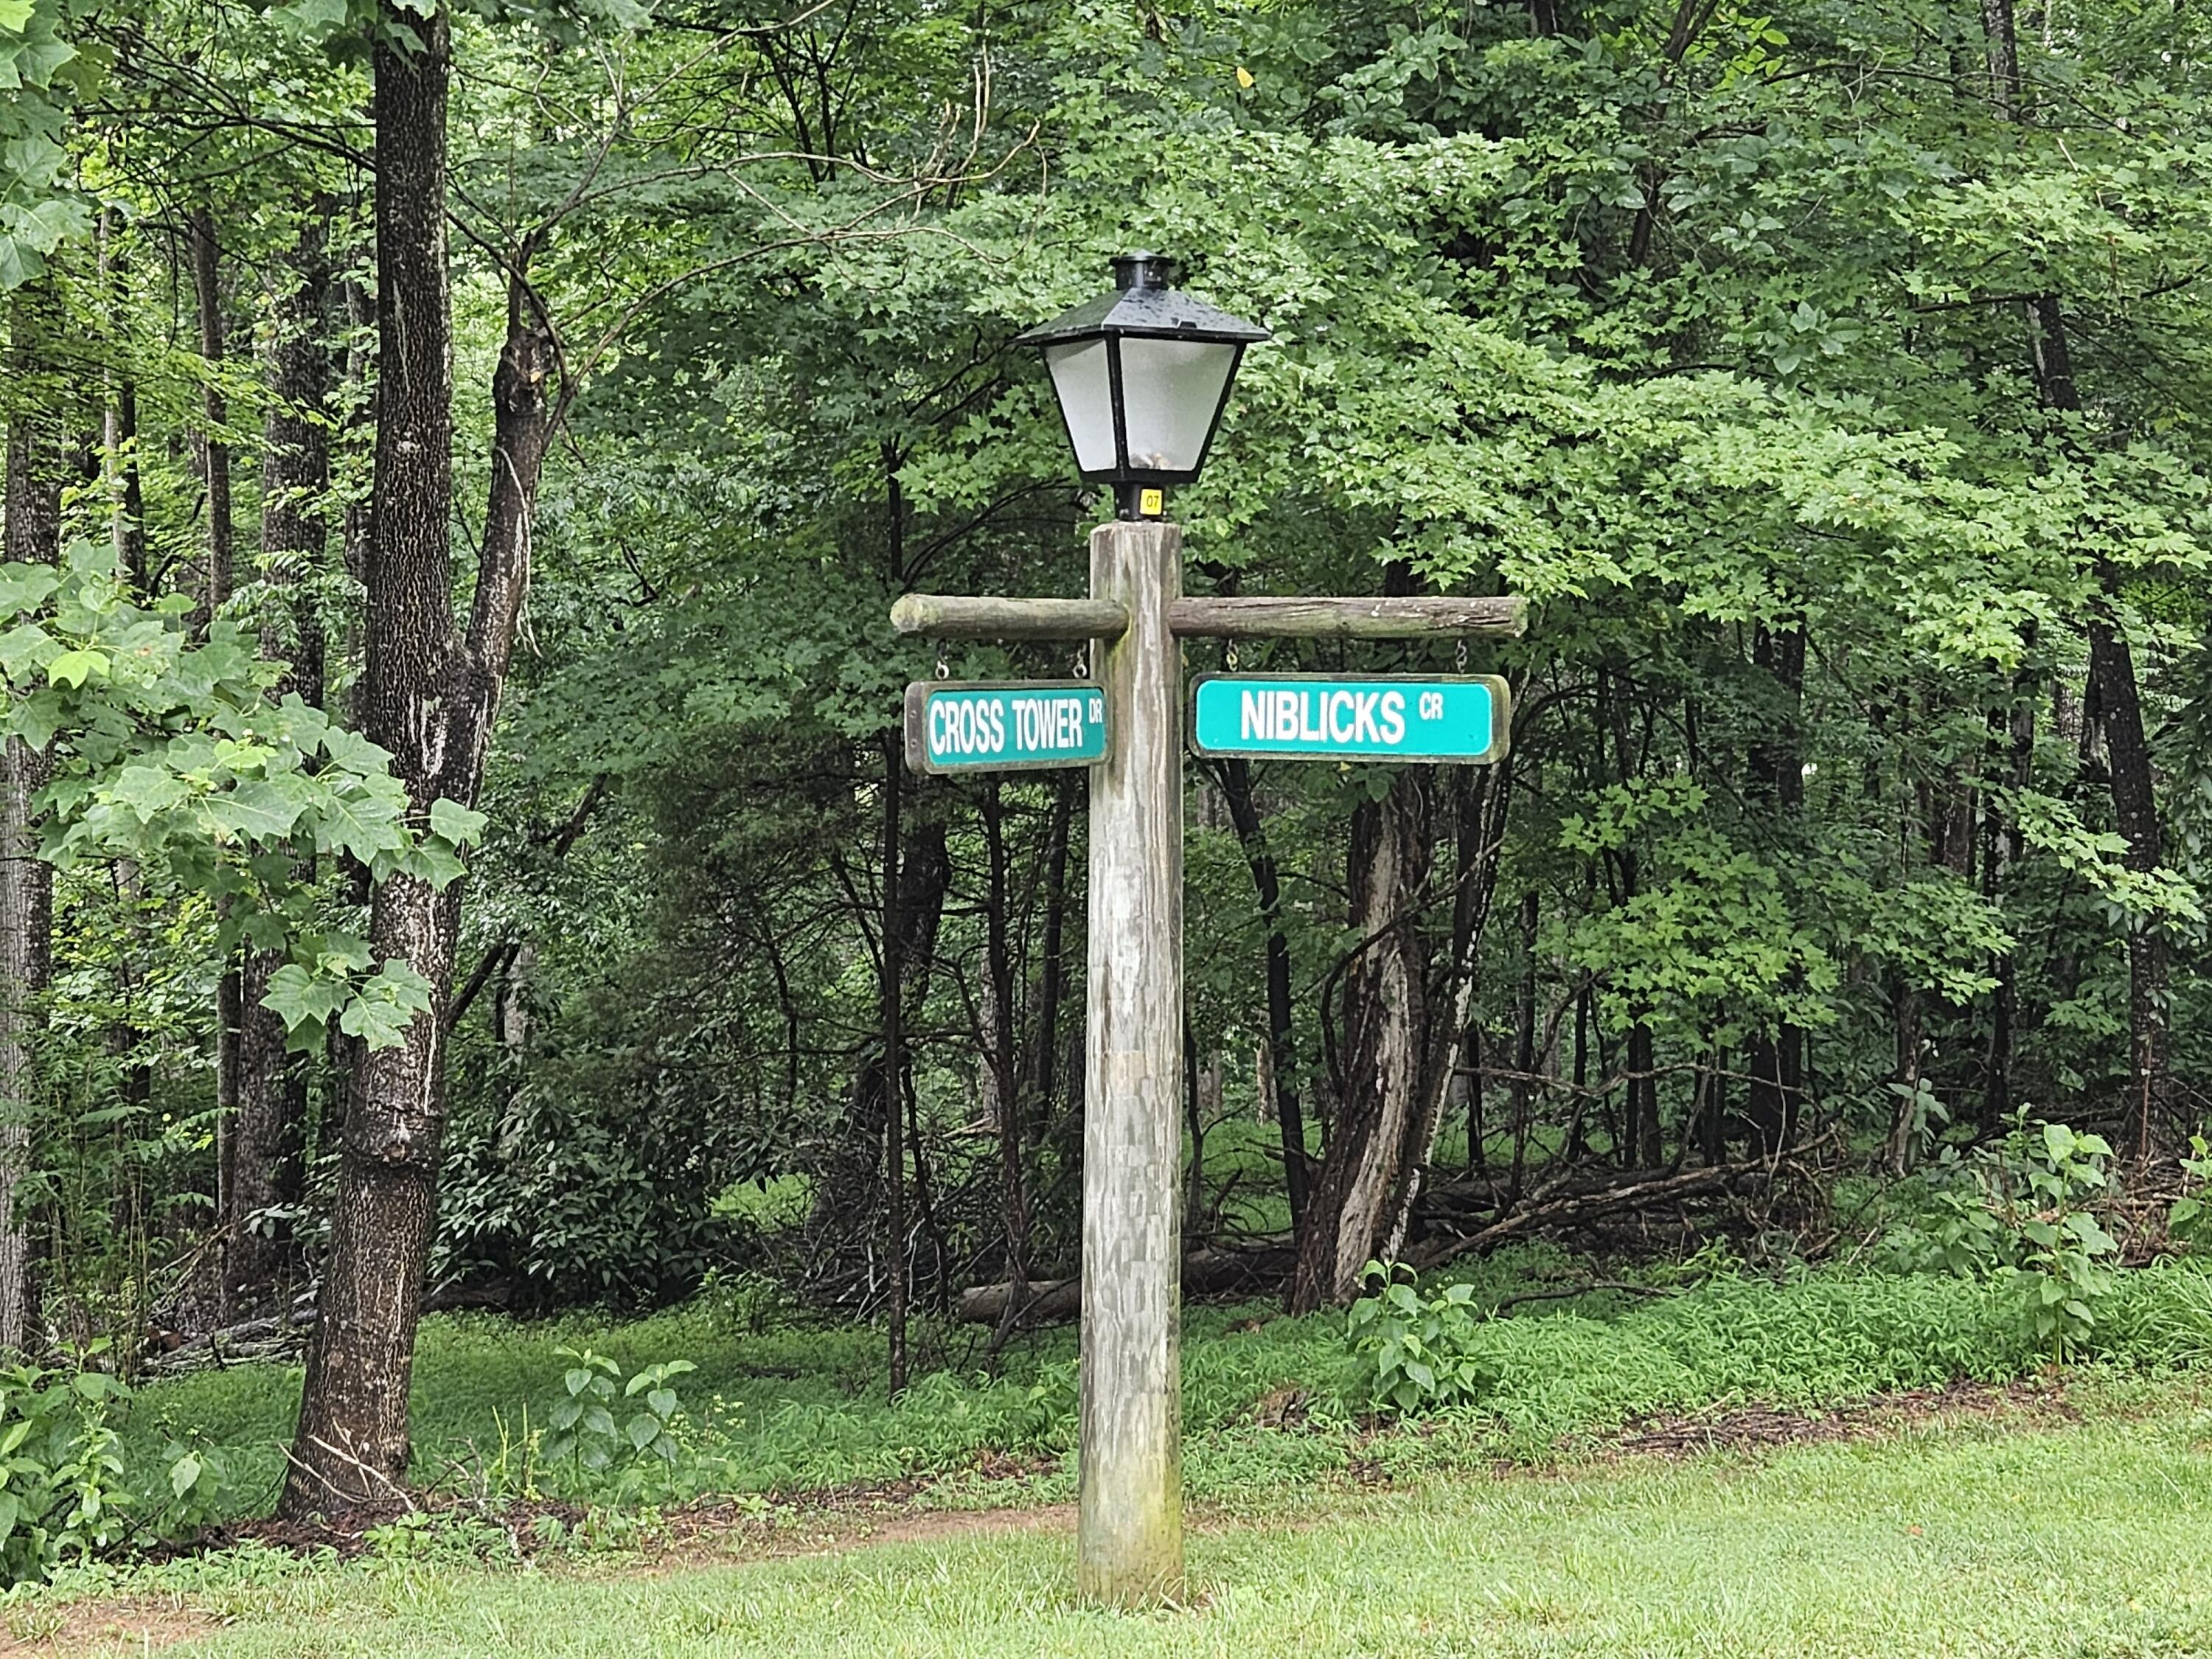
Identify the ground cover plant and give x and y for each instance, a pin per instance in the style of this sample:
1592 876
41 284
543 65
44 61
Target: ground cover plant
1270 1400
2016 1537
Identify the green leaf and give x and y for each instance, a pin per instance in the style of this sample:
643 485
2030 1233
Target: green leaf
261 809
73 668
644 1429
455 822
185 1473
16 15
354 753
361 827
310 19
24 586
148 789
301 1001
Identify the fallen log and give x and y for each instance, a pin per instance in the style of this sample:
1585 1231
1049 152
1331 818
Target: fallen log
1217 1270
1047 1300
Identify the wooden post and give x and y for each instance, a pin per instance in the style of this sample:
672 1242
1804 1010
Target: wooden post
1129 1508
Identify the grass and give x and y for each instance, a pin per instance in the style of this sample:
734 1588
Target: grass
793 1407
1964 1539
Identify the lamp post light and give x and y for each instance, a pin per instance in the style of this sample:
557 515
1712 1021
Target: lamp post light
1142 373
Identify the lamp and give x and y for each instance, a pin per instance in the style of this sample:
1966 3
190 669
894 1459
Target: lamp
1142 374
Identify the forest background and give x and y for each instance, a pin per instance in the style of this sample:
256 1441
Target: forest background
460 461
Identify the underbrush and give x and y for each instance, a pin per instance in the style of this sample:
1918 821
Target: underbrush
776 1407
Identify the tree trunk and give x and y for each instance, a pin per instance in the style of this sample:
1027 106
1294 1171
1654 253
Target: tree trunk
2156 1123
271 1086
1052 971
1646 1146
1282 1048
1383 994
429 699
2007 848
32 535
1777 778
215 475
1523 1093
2114 688
207 293
1480 825
996 1033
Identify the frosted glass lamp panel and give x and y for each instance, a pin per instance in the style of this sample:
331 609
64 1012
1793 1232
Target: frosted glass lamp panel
1079 379
1170 389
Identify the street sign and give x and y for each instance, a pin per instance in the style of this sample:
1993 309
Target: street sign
985 726
1351 717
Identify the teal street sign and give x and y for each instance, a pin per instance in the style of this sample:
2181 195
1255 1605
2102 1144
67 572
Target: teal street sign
978 726
1351 717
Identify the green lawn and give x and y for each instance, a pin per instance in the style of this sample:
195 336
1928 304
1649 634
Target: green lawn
1966 1538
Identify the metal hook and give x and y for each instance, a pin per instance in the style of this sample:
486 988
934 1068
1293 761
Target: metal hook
1079 665
944 667
1229 656
1459 655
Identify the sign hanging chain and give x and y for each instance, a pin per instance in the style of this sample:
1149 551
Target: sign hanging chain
1229 656
1079 665
944 667
1459 655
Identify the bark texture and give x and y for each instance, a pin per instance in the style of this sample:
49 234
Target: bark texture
1383 995
207 293
32 534
1777 1059
1280 1098
1481 798
1130 1503
429 697
270 1090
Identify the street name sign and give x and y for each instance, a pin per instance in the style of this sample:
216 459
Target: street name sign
1019 727
1351 717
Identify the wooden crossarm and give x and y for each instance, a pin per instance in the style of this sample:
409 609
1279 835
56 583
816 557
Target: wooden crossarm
957 617
1289 618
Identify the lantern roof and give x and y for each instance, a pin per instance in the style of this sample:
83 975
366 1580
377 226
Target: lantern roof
1141 302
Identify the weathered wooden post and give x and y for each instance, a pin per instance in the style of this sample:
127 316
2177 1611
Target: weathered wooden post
1129 1508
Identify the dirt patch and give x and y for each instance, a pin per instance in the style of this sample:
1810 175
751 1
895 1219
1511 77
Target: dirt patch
84 1627
864 1511
2036 1400
704 1539
860 1513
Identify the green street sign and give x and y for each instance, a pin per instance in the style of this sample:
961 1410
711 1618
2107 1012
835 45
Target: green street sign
1351 717
980 726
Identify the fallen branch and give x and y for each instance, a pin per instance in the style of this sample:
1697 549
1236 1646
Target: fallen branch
1563 1292
1588 1204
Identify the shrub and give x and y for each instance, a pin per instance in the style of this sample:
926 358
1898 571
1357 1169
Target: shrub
67 1491
2018 1210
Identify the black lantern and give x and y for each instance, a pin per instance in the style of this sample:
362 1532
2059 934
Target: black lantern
1142 374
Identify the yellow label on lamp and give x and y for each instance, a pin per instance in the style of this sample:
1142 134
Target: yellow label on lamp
1152 502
